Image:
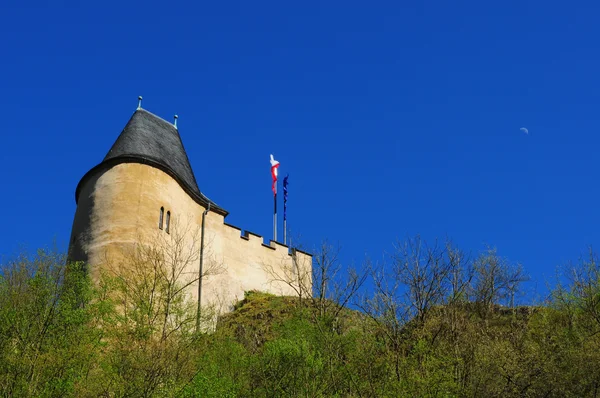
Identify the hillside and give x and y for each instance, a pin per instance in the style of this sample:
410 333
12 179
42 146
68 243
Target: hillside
62 336
457 351
261 317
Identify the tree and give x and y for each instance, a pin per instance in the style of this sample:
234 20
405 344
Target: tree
406 290
424 271
49 334
296 274
154 331
333 286
581 294
460 275
495 279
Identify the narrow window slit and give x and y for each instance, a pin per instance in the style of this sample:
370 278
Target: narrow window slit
168 221
160 219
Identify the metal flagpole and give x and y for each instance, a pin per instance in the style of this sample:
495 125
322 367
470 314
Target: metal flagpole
285 193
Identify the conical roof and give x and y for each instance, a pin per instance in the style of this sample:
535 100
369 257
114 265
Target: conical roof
152 140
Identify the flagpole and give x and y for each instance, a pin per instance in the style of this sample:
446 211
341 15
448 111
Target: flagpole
285 194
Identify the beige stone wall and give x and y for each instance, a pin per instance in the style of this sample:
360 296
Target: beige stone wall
121 206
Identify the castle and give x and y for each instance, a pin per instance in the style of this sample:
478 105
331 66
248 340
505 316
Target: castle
144 192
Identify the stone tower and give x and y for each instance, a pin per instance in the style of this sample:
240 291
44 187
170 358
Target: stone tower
141 186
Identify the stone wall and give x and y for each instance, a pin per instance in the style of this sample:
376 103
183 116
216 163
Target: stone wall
120 207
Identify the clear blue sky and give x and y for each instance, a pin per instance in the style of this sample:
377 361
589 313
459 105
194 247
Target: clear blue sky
392 118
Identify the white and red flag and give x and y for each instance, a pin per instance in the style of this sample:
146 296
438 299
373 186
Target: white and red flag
274 167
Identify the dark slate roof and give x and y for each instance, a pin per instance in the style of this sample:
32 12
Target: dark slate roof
152 140
151 137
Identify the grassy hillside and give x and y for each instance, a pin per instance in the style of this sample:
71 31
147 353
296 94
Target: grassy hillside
60 335
459 350
261 317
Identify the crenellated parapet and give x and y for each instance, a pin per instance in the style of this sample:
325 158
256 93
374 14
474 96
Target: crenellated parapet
255 240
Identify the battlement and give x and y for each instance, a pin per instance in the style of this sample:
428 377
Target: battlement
256 240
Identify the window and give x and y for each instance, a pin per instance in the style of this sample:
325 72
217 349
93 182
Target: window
160 219
168 221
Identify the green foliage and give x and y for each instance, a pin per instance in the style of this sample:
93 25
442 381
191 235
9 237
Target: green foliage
62 335
48 324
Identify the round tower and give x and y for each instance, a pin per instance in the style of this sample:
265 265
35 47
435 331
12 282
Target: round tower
143 183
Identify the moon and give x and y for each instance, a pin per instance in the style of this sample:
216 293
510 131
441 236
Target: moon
523 129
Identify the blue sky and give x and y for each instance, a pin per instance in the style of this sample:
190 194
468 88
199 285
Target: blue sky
392 118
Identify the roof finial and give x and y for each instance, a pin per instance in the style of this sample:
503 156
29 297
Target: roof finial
139 102
175 122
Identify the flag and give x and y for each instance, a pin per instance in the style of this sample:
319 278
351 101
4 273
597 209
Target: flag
274 167
285 194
